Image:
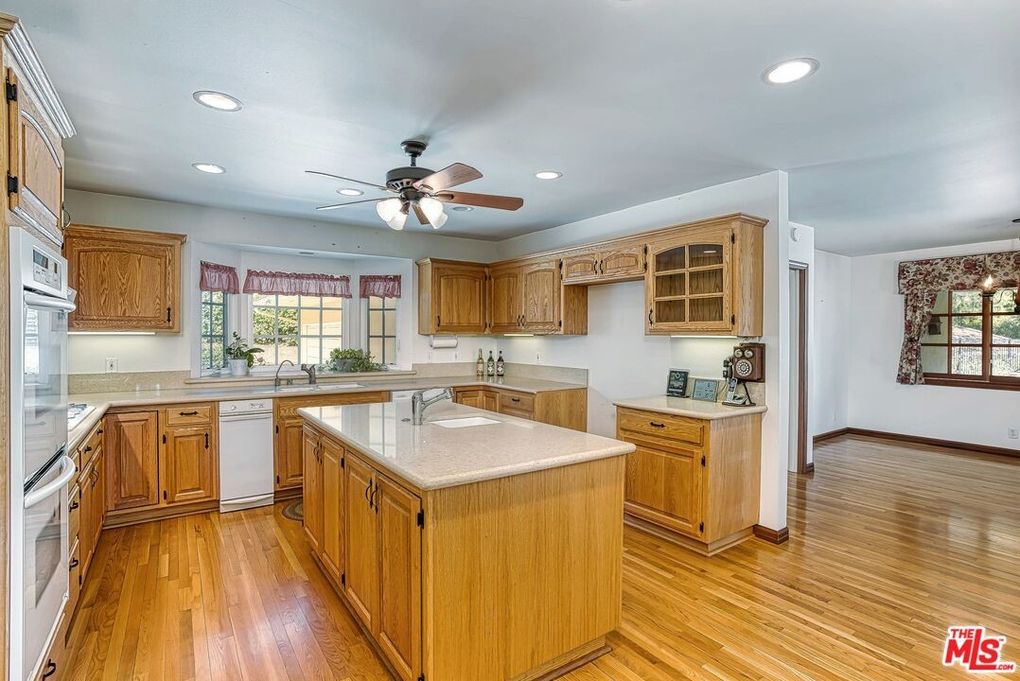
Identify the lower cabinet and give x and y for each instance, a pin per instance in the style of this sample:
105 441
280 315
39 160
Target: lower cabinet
188 464
480 398
132 440
365 529
564 408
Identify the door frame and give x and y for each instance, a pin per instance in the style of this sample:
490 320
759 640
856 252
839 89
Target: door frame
801 343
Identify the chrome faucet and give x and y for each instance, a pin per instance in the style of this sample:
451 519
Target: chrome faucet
419 404
310 370
276 381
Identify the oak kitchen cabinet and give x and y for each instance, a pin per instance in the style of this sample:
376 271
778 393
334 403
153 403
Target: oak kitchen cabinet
601 265
288 444
451 297
564 408
36 124
525 297
161 462
127 280
692 481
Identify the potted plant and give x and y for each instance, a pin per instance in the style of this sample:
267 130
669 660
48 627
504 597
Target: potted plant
240 357
352 360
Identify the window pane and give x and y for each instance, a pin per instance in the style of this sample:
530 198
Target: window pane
966 301
310 353
967 330
390 322
938 330
263 321
310 322
1006 361
287 320
206 320
967 361
332 323
328 345
218 358
375 348
263 299
390 348
206 356
1004 301
217 320
311 301
1006 329
288 349
332 302
942 303
287 301
375 323
934 359
375 302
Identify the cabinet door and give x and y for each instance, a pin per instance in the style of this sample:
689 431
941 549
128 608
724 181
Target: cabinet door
581 267
289 454
36 159
471 398
399 578
88 502
125 282
458 298
666 487
490 400
622 262
132 456
312 490
362 585
189 465
97 509
541 283
688 285
333 465
506 312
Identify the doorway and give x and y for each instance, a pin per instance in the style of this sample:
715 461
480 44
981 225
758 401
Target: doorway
800 446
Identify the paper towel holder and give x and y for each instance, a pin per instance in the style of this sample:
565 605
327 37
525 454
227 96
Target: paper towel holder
437 342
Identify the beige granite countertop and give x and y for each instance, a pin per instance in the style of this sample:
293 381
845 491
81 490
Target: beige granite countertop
143 398
433 457
685 406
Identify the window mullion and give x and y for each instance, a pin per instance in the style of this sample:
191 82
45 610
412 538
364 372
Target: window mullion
986 338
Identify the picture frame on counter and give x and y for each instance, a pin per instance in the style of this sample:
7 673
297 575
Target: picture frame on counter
676 384
705 389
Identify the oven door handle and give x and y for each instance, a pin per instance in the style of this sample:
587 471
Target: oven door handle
36 300
67 471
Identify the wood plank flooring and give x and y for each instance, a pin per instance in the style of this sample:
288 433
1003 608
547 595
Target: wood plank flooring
890 545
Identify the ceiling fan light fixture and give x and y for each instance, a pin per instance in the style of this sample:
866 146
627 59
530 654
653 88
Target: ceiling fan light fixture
397 221
389 209
440 221
432 208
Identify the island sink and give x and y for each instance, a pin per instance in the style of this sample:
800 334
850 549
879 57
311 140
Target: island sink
466 422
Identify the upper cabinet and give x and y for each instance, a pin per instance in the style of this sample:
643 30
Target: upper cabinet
622 262
525 298
451 297
126 280
706 279
36 124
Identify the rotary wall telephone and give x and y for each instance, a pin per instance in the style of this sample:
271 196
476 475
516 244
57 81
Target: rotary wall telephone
747 364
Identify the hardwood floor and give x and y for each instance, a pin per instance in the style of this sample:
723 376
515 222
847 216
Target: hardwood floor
890 545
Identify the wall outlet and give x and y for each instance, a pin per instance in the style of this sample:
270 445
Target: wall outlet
1013 433
111 365
538 358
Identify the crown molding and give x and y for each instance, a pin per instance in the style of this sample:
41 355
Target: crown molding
33 75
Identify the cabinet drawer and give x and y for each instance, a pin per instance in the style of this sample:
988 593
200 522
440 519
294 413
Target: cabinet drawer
286 407
73 513
664 426
512 402
190 414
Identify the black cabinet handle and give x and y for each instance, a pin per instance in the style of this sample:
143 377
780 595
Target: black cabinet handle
207 440
73 506
650 321
656 424
187 413
51 669
73 564
437 321
99 432
515 399
167 315
372 502
86 450
366 492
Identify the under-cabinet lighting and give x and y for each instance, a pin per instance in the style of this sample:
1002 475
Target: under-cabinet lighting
518 335
701 336
111 333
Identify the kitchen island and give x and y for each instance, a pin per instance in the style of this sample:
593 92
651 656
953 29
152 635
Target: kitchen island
479 549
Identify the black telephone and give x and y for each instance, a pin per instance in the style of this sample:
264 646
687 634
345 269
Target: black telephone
732 383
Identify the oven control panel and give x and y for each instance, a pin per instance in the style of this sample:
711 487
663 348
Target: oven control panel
45 269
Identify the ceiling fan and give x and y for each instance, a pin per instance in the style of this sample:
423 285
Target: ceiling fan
423 191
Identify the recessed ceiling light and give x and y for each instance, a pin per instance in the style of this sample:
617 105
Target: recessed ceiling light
217 100
347 191
790 71
461 209
548 174
209 168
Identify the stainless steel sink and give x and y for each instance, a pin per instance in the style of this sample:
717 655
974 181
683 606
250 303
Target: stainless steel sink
465 422
319 386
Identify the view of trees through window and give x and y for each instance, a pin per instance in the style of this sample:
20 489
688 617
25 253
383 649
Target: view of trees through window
303 329
214 330
974 337
382 329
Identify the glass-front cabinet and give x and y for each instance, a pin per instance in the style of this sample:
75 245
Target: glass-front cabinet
705 281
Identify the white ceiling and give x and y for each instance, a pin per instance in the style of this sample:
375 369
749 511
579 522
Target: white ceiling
908 135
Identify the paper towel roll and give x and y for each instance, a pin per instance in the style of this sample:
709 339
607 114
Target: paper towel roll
443 342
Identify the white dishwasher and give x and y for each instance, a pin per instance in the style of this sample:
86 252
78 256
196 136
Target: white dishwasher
246 454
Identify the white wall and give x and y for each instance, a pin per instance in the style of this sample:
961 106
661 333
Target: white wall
877 402
623 362
831 327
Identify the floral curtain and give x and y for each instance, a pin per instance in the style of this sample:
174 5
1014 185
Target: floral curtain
292 284
921 281
219 278
380 285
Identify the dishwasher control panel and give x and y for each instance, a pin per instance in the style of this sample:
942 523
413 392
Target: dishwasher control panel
246 407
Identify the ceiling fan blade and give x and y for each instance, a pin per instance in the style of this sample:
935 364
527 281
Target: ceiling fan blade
420 213
348 179
483 200
334 206
450 176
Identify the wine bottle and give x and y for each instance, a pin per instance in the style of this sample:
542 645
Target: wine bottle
490 366
480 365
499 364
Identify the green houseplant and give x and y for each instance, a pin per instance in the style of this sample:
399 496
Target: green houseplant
240 356
352 360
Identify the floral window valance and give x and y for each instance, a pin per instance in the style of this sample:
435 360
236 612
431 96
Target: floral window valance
921 281
292 284
218 278
380 286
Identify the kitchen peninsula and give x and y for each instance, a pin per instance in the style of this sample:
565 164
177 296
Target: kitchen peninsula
474 546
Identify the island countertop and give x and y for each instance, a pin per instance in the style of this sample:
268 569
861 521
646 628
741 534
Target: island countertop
434 457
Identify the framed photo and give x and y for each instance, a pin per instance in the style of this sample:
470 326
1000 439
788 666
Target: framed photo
676 386
705 389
